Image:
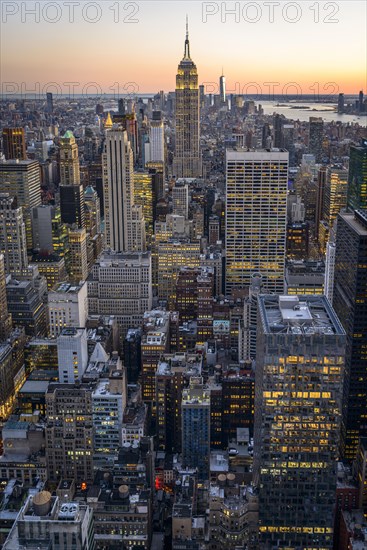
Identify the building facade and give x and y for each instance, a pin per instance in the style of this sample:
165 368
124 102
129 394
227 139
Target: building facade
298 408
187 159
256 217
349 301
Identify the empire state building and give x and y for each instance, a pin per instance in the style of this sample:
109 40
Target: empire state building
187 160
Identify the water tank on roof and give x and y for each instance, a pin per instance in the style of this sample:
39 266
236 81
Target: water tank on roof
42 503
123 491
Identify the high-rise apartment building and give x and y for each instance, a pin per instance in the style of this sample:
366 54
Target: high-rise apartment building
256 217
349 301
12 234
121 285
69 432
298 408
118 185
357 177
22 179
195 410
187 160
316 137
14 143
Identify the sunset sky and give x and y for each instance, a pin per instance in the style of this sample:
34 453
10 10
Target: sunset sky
148 51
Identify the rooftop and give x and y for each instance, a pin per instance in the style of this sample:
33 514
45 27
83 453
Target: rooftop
67 288
296 315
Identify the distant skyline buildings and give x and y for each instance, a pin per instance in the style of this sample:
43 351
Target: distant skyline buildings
344 67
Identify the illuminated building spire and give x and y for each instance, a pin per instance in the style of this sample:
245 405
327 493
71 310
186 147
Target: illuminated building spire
108 122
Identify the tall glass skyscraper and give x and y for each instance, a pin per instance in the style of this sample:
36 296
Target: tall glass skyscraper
298 400
357 178
350 303
256 217
187 160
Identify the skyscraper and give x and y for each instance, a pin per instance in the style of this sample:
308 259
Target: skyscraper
335 198
14 143
350 303
187 160
298 401
196 427
180 199
50 103
69 432
71 190
145 197
78 255
120 212
316 135
69 160
222 88
156 138
357 177
72 352
256 217
22 179
72 205
121 285
5 316
12 234
92 211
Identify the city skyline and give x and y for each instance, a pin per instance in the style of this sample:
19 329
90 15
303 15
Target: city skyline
249 50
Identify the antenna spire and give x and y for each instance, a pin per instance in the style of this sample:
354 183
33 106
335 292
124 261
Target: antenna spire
187 44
